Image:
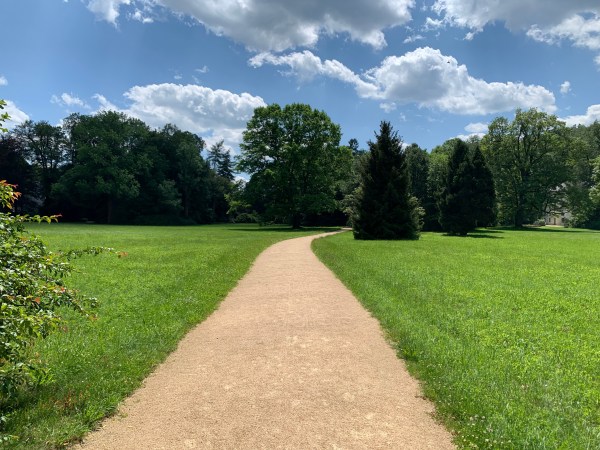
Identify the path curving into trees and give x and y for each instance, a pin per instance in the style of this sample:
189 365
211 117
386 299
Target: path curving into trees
289 360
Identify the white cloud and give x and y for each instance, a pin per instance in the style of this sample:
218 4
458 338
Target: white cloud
277 25
549 21
424 76
107 9
581 31
592 114
413 38
203 69
105 105
478 127
516 14
3 81
565 88
198 109
68 100
16 115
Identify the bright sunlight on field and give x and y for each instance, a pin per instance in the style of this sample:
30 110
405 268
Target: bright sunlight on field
501 327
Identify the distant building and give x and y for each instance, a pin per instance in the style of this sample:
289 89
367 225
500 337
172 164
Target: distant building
559 219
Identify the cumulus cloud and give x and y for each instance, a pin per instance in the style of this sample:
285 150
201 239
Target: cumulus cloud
591 115
516 14
565 88
3 81
424 76
194 108
16 115
68 100
276 25
549 21
478 127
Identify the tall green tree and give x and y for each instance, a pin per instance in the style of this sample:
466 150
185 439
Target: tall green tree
468 199
44 147
108 160
386 210
295 162
527 158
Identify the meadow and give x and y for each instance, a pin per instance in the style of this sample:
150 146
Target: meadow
501 327
167 280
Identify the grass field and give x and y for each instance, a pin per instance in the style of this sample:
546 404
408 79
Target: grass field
503 328
171 279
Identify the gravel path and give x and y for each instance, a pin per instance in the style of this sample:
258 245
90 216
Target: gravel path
290 360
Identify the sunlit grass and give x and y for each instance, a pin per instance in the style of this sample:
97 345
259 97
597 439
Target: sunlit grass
503 328
171 279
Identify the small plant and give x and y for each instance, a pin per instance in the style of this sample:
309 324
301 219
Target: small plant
31 290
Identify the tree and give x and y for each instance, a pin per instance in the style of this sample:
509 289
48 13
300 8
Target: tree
527 159
484 199
108 160
386 210
3 116
468 197
44 147
295 162
219 160
417 161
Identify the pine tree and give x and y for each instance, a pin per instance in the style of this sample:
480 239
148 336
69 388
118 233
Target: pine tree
386 210
462 202
484 202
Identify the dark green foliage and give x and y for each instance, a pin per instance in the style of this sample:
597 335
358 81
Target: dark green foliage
483 202
386 210
295 162
468 199
456 212
417 160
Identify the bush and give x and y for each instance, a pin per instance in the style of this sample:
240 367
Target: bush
31 290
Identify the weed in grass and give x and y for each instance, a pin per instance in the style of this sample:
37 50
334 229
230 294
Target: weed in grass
502 332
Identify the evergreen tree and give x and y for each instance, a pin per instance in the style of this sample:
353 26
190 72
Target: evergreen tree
225 167
386 210
457 212
484 202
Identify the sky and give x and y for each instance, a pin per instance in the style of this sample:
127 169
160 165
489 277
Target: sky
435 69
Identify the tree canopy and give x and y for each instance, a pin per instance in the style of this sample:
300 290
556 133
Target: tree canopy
386 210
527 158
295 162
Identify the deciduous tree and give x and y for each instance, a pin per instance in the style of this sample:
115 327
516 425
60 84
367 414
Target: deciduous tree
295 161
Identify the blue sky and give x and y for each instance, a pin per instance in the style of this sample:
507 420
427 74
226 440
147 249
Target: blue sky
436 69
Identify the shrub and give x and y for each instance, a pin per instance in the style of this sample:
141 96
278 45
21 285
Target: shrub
31 290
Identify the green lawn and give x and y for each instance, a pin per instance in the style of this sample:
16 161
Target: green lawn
171 279
503 328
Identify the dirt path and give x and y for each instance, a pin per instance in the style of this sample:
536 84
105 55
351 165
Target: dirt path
290 360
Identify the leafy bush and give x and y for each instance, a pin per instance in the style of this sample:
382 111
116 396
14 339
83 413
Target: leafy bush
31 290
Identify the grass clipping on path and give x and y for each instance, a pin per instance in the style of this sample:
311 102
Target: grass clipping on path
167 280
503 328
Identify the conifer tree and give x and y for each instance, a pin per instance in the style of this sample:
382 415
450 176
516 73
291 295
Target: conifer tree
468 199
386 210
484 203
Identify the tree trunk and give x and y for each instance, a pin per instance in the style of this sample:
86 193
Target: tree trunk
296 221
109 208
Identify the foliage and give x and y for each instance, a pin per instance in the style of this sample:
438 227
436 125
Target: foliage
503 337
386 210
3 116
468 196
527 158
219 160
31 289
295 162
167 281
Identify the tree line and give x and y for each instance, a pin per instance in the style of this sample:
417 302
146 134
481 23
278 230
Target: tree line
112 168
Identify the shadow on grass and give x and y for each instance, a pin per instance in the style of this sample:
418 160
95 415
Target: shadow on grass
288 229
478 234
